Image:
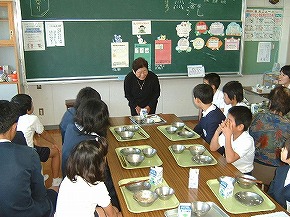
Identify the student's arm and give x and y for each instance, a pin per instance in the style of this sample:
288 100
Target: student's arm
109 211
231 155
214 145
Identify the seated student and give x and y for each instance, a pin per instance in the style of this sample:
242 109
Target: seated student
83 191
22 188
212 116
30 124
280 186
270 129
239 145
91 122
68 117
233 95
214 81
19 136
284 77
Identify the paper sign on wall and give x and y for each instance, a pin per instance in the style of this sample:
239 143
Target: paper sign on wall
195 71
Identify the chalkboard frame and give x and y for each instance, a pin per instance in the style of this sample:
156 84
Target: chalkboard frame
75 70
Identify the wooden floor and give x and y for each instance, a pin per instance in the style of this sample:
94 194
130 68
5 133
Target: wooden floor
47 165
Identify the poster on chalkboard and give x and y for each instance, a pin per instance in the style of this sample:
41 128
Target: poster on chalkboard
33 36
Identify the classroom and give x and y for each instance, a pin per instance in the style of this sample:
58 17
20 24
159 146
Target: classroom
53 74
112 89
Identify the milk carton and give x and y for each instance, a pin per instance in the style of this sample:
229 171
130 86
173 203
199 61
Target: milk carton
156 175
226 188
184 210
143 113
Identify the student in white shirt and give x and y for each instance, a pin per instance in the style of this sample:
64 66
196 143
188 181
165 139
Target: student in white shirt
233 95
232 134
83 191
29 124
214 81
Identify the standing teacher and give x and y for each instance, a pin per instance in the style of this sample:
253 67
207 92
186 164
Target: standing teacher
142 88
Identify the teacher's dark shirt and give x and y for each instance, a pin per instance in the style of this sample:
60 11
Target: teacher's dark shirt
147 96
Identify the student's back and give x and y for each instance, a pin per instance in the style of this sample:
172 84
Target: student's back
84 94
19 167
212 116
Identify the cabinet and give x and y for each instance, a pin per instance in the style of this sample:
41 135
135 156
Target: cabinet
9 75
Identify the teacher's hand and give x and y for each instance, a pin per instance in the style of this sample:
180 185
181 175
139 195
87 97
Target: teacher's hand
148 109
138 109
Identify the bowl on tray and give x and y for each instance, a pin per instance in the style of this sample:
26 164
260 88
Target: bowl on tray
126 134
135 159
165 192
246 181
197 149
179 125
130 150
200 208
185 134
145 197
137 186
132 128
171 129
177 149
202 159
149 152
119 129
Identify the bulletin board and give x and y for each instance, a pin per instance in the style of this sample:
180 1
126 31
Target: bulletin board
90 28
263 27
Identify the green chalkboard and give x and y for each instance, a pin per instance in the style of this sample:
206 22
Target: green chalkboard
132 9
89 30
250 64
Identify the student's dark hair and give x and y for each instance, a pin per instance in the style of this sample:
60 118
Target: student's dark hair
234 89
286 70
279 100
213 79
87 160
138 63
9 115
24 102
242 115
287 146
85 94
93 116
204 92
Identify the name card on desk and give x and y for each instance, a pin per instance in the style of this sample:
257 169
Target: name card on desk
195 70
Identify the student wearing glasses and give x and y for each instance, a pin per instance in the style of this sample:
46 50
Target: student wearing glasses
141 88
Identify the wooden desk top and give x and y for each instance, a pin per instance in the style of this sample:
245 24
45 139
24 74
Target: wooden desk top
175 176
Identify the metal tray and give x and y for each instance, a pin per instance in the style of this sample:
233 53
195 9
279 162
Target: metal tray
176 136
156 119
215 211
148 162
139 134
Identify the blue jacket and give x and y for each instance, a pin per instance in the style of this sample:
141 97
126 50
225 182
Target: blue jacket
208 124
22 188
277 190
67 118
